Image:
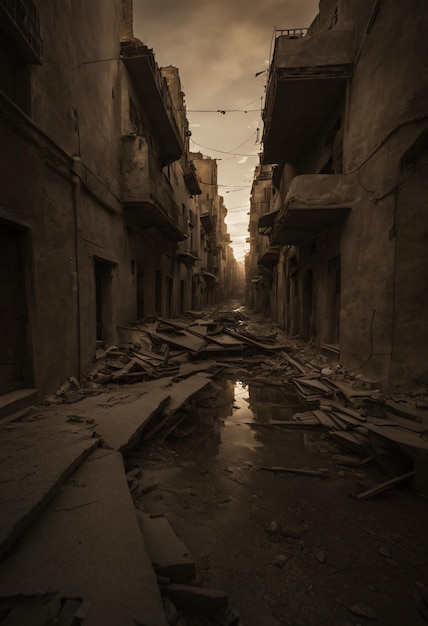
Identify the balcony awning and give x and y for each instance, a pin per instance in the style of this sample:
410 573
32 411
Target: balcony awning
209 277
191 180
270 257
308 76
149 213
267 220
187 258
298 225
154 98
313 203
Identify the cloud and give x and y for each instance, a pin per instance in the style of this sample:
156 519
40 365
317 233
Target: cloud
218 47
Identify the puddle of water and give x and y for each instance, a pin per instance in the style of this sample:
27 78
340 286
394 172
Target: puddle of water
228 419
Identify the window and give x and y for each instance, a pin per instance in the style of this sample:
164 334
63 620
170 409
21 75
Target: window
20 46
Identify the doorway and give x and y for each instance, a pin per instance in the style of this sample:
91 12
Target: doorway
334 299
307 306
104 300
12 310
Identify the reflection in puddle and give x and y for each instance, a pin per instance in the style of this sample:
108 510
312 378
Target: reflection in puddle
227 415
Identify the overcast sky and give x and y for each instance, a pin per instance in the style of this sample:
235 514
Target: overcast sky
218 47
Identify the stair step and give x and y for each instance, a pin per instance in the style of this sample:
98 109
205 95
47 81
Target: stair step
16 401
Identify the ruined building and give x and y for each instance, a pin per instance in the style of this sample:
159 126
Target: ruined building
346 131
99 211
219 267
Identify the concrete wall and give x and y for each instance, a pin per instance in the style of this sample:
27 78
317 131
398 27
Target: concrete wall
63 189
380 248
393 61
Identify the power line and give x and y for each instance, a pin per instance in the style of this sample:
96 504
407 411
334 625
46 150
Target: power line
222 111
222 151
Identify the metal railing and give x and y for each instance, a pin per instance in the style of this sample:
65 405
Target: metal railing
26 18
291 33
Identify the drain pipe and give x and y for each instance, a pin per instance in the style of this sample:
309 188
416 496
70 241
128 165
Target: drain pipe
78 234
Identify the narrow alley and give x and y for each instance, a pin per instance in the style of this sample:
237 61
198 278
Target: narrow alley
253 507
213 313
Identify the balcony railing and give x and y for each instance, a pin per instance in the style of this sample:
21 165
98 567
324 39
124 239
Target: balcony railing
155 99
291 33
308 76
147 194
19 20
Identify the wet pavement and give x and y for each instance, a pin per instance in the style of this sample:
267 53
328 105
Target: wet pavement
288 549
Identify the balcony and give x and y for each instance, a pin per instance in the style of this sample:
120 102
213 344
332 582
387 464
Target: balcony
207 222
270 257
313 203
308 76
147 194
155 99
191 179
19 21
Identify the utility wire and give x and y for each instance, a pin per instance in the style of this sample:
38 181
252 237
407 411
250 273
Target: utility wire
222 151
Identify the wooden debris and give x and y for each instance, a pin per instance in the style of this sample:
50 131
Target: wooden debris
351 461
374 491
294 470
406 410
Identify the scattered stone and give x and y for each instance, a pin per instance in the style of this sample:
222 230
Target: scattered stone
326 371
280 560
274 528
321 556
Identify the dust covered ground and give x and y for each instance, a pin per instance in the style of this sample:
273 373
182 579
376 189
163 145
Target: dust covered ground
288 549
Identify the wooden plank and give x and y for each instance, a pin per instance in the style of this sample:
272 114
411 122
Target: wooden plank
374 491
294 470
315 384
251 342
406 410
402 422
350 392
399 436
182 339
295 363
331 404
324 419
348 440
351 461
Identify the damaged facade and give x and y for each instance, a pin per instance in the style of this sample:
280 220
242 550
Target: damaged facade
346 133
99 210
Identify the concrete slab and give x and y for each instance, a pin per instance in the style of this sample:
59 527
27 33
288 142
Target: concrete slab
169 555
120 415
182 391
120 426
88 545
16 401
37 455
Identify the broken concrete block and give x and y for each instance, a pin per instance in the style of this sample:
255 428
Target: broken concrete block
169 555
211 602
